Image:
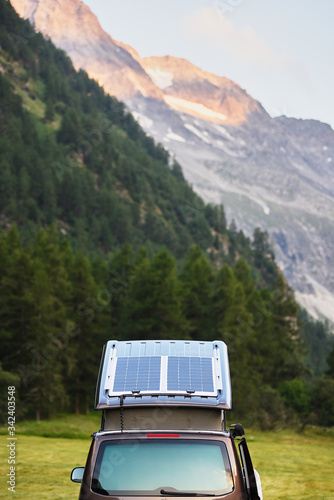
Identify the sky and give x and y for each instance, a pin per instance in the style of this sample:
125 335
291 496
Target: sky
280 51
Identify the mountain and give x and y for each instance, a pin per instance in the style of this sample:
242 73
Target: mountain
270 172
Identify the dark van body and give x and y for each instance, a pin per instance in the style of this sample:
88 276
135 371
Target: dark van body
162 465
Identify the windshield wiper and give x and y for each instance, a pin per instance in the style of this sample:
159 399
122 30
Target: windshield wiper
184 493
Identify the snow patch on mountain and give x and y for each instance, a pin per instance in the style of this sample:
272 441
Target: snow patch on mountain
173 136
194 108
163 79
143 120
195 131
225 133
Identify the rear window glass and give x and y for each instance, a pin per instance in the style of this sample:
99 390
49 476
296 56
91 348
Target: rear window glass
145 467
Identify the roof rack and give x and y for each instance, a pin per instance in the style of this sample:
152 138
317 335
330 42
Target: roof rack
164 372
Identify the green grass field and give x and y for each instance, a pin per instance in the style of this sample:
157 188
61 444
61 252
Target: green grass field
292 465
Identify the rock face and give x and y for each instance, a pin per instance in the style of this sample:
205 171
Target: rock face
273 173
199 93
73 27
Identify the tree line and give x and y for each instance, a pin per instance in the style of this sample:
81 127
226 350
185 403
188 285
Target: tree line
57 309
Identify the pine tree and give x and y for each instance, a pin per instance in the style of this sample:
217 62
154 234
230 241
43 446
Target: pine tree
45 391
279 342
233 324
197 278
69 132
153 307
89 307
330 363
49 111
261 243
243 275
7 379
120 272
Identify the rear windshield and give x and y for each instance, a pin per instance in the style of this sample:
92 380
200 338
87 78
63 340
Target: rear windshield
145 467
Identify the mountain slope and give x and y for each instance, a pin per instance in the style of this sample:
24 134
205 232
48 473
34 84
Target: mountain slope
72 155
273 173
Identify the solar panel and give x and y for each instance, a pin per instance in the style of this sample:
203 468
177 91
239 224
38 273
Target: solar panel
166 372
143 373
190 374
137 374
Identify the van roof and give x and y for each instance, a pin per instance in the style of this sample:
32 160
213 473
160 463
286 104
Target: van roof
164 372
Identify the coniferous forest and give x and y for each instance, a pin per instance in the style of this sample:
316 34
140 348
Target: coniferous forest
102 238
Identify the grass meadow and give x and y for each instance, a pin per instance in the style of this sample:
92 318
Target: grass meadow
292 465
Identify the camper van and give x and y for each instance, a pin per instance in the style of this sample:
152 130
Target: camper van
163 426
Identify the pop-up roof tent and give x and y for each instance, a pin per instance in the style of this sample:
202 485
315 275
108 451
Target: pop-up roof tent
190 379
165 372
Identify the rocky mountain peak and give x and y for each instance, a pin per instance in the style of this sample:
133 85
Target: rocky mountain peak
189 89
74 28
